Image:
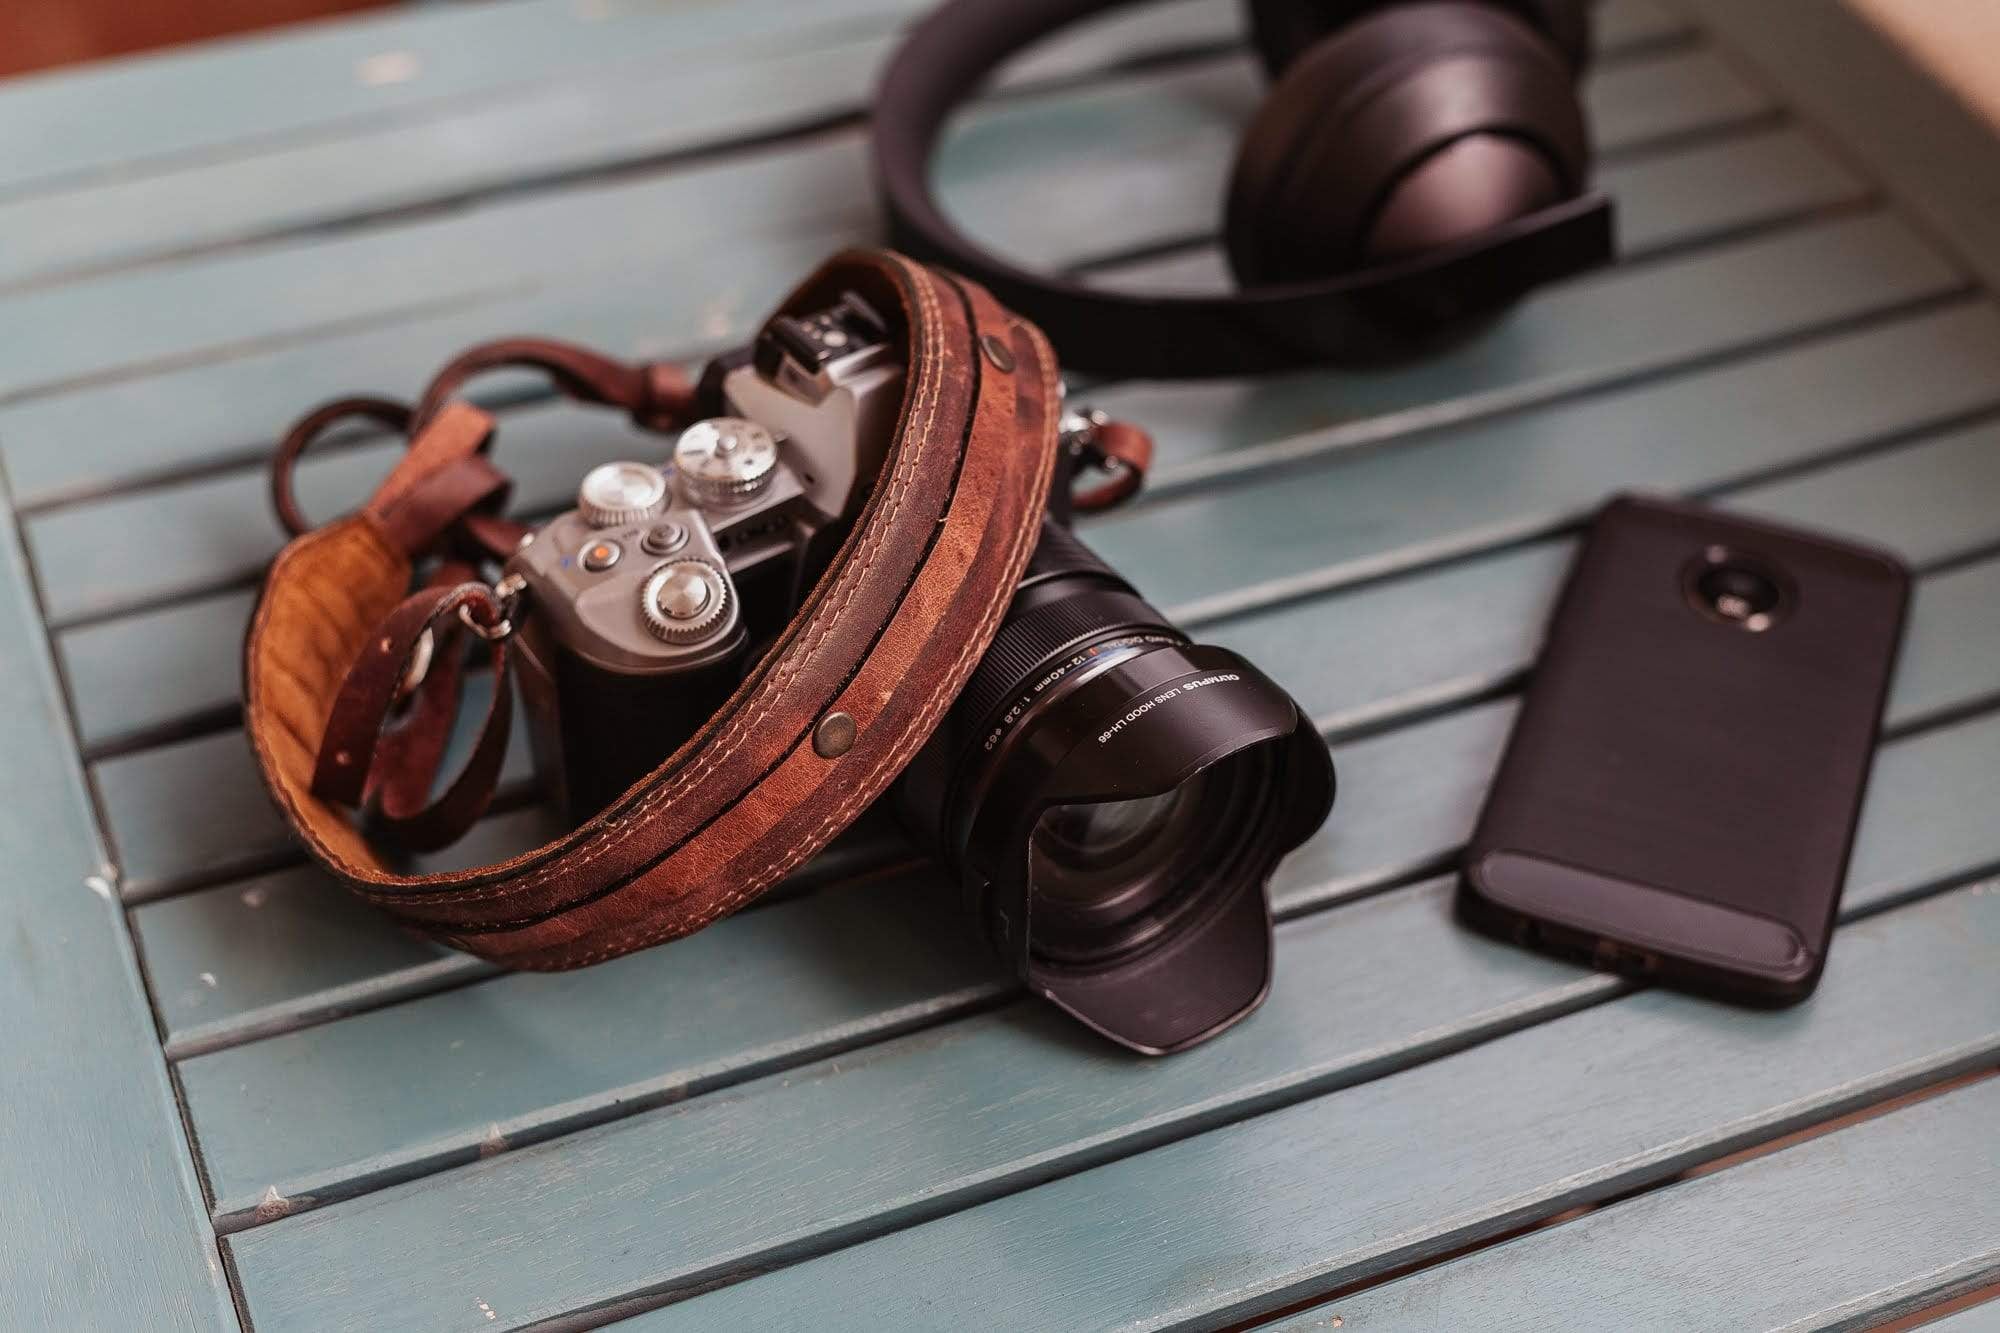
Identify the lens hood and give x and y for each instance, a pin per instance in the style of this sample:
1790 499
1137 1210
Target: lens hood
1140 727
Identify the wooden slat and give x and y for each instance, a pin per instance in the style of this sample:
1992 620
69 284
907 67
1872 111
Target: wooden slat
279 951
1476 482
1517 475
155 670
271 952
1368 1179
519 260
129 551
1747 1247
1956 608
197 809
1176 138
103 1214
1417 791
326 1113
937 1120
1208 430
289 289
1750 179
1456 633
1409 803
1470 627
625 114
144 114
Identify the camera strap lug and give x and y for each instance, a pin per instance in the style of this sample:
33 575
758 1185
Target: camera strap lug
506 596
1121 451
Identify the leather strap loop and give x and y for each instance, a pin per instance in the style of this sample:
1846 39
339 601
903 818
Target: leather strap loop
657 395
1125 453
305 432
366 761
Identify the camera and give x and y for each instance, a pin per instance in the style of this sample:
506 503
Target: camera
1111 796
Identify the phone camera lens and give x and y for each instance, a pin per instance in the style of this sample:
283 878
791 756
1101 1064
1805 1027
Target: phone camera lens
1736 591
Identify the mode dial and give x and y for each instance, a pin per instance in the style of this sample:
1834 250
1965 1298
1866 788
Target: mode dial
621 493
725 460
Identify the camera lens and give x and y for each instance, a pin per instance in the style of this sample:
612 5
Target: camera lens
1729 588
1114 798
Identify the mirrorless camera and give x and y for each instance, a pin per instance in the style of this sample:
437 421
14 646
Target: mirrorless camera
1111 796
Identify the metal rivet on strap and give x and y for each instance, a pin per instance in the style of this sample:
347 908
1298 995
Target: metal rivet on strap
996 351
834 736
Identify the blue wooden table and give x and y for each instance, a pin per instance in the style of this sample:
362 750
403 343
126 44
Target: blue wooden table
230 1094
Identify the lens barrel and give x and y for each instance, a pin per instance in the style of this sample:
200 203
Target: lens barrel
1113 799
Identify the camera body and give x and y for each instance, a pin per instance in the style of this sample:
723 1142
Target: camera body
1110 796
652 595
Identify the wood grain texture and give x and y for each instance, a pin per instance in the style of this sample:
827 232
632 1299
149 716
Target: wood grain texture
1234 1220
1840 1232
103 1218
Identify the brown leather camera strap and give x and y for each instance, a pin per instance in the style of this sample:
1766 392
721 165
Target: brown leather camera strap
886 638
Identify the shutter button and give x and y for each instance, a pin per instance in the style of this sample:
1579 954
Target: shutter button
684 601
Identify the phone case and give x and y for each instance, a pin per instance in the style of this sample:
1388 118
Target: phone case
1679 795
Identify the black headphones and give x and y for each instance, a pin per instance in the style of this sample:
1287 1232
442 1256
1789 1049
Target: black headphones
1413 165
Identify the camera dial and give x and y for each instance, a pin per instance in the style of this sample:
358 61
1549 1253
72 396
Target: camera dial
725 460
684 600
618 493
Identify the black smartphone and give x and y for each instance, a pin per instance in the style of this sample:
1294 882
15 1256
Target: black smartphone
1679 794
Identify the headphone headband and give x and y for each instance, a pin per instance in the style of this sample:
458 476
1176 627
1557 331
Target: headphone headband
1385 309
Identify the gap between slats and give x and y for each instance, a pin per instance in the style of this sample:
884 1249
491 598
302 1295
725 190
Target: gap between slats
744 190
621 123
1381 1301
503 1181
1136 549
1310 897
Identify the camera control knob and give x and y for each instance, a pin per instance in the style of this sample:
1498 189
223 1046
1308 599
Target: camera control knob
726 460
684 600
621 493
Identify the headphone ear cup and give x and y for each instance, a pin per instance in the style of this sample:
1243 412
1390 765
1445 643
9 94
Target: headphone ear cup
1284 30
1418 125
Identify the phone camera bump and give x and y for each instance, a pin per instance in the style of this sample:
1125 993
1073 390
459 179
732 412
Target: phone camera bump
1726 586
